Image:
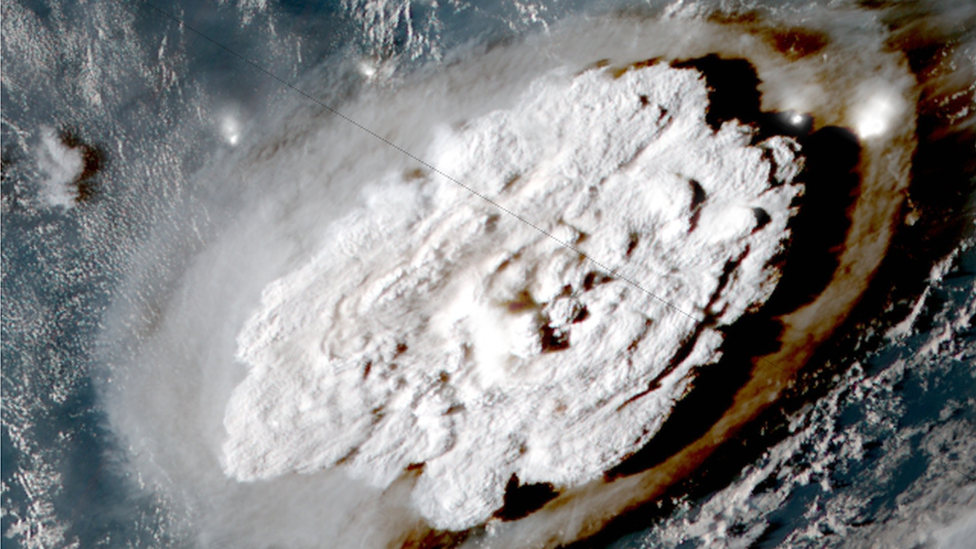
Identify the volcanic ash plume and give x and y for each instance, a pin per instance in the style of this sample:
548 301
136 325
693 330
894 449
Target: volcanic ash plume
439 333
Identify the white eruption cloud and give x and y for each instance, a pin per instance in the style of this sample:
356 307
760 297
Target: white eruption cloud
269 328
349 314
59 165
434 328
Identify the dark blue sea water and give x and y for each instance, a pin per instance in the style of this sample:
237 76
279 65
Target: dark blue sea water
878 453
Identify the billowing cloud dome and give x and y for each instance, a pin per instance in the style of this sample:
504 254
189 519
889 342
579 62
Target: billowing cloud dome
543 328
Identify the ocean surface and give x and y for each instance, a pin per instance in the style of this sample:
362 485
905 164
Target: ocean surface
163 162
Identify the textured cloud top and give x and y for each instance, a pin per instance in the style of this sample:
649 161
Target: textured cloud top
439 333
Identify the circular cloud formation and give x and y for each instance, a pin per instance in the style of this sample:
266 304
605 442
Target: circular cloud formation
440 333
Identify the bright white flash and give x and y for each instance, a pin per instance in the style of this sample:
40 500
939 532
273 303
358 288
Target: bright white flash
373 69
875 115
230 128
368 68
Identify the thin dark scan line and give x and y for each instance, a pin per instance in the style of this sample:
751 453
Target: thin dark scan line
416 158
259 68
